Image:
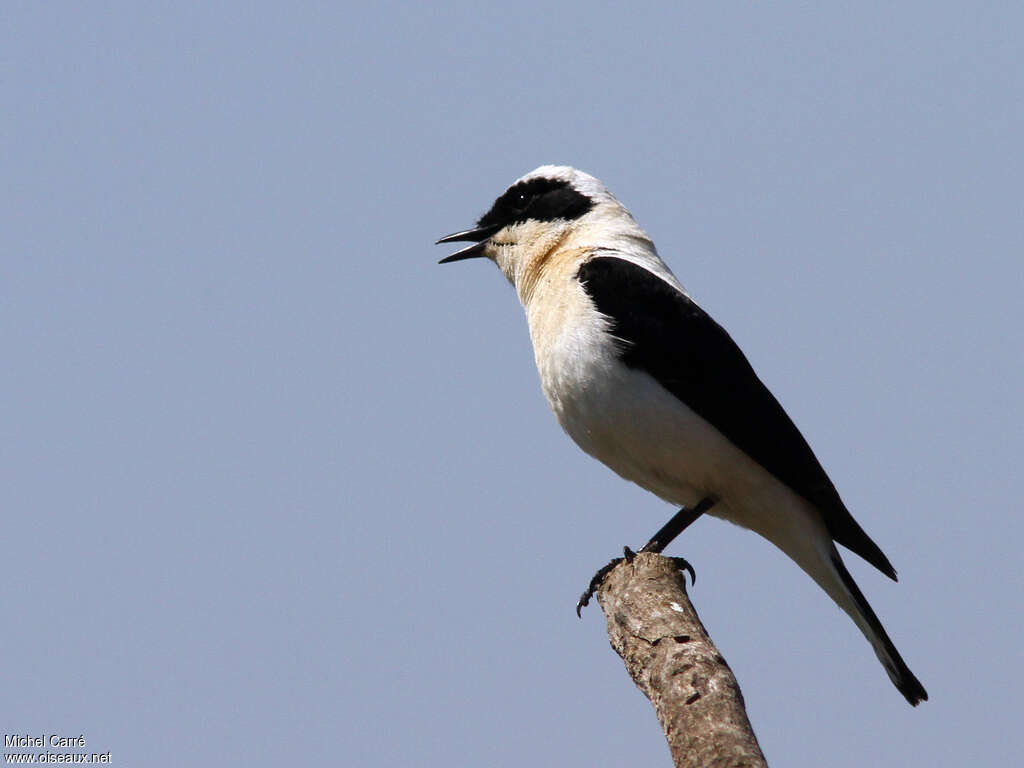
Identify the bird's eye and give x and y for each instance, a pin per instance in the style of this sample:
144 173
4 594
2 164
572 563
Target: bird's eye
521 201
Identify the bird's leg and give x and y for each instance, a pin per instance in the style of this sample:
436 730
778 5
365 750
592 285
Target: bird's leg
680 521
665 535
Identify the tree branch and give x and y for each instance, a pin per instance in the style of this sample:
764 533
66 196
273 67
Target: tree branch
667 652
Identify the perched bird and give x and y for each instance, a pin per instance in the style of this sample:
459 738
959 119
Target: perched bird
645 381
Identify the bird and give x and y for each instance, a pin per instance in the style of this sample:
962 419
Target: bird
645 381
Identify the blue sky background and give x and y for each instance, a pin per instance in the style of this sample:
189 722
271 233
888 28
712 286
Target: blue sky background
277 488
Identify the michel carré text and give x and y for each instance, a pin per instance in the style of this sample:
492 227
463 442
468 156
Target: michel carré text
53 740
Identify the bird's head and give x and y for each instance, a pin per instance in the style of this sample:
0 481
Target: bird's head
552 208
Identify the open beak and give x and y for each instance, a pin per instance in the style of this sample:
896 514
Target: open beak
479 238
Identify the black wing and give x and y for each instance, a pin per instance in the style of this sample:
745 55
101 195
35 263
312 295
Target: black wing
693 357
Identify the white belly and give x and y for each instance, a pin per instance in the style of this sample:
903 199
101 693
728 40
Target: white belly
626 420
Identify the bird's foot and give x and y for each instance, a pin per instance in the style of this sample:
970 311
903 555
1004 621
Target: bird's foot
599 577
627 554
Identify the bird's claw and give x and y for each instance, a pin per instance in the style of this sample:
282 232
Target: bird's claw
599 577
684 565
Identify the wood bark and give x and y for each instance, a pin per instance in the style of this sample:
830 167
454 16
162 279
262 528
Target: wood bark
655 629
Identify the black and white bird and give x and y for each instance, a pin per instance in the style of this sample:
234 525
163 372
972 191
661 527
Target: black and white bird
645 381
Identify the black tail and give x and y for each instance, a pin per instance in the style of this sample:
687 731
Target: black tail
899 673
